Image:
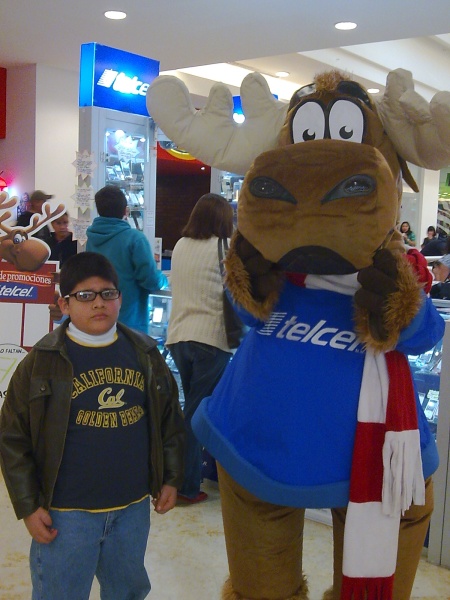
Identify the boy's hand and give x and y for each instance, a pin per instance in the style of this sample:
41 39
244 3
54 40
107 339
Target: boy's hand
39 525
165 500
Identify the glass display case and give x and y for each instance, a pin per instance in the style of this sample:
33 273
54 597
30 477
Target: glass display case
160 304
123 146
426 370
124 164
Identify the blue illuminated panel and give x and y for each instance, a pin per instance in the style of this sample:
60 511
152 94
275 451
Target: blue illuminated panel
112 78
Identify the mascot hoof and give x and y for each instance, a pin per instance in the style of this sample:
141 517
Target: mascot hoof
228 592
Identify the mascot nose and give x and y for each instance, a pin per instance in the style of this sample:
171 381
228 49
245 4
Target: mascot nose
355 185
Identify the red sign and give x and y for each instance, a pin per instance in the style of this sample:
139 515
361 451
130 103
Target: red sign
24 286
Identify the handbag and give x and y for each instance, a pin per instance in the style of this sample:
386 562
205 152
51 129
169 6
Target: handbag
234 327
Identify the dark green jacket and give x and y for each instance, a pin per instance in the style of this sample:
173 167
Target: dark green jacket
35 415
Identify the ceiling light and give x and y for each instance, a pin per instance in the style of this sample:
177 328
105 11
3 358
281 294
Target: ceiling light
345 25
373 90
116 15
282 74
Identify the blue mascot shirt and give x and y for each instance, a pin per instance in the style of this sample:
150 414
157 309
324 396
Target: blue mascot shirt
282 419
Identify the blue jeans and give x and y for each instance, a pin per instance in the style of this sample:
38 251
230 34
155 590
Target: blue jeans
109 545
200 367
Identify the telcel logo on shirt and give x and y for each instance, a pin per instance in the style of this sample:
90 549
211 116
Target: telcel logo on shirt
120 82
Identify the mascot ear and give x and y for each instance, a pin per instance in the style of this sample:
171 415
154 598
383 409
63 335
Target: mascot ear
253 281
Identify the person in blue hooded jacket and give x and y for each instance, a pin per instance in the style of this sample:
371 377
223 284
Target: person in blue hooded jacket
131 254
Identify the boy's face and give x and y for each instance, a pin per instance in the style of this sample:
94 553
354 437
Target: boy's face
96 316
61 227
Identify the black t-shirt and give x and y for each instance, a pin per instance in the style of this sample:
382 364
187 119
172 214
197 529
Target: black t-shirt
105 464
62 250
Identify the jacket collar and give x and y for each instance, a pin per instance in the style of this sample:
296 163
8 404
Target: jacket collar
55 340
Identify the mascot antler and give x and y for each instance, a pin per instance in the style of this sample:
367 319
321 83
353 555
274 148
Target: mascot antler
420 131
232 147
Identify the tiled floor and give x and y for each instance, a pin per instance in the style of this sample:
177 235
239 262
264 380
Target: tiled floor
186 556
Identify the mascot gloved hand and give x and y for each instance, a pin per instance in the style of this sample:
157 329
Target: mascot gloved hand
258 279
317 409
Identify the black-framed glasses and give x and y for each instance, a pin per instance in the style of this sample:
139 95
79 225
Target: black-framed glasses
90 295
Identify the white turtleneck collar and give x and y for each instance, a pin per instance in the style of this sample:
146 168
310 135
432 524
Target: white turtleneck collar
85 339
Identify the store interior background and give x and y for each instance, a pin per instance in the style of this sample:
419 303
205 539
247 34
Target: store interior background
201 43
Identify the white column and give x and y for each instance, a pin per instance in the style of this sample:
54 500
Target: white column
428 205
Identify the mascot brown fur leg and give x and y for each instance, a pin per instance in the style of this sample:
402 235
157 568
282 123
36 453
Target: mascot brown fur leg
264 545
229 594
328 595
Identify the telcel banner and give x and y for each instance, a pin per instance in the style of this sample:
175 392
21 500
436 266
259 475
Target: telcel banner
112 78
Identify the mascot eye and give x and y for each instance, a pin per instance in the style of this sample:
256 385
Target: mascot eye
346 122
266 187
18 238
308 123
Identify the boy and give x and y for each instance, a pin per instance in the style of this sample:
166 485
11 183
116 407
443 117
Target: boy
91 426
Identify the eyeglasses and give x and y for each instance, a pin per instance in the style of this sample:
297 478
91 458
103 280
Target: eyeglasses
90 295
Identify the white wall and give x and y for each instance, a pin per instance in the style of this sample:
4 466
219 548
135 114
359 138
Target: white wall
17 149
56 133
41 131
429 206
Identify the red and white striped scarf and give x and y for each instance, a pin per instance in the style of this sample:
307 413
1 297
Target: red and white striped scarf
386 476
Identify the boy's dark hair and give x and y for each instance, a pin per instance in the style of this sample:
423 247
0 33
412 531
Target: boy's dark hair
212 215
111 202
81 266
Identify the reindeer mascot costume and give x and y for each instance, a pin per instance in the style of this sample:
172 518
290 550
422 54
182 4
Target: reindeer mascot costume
318 407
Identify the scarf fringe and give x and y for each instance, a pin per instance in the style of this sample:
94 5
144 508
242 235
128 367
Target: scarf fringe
403 481
363 588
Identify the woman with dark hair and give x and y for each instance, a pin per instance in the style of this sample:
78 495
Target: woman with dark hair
196 335
409 237
431 235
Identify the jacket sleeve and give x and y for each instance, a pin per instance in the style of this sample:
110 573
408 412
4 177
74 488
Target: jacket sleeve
170 423
424 332
16 444
145 270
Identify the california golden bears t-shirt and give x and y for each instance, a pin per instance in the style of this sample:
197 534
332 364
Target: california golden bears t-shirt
105 464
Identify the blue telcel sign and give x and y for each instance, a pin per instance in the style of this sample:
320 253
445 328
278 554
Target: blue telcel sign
116 79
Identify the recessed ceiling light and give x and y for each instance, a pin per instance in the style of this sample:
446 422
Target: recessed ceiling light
373 90
282 74
116 15
345 25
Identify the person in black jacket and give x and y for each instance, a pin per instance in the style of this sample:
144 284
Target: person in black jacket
441 272
91 428
61 243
